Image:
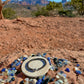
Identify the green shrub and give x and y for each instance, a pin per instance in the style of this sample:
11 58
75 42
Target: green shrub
67 13
9 13
42 11
54 5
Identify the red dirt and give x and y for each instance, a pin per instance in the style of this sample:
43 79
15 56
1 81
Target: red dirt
58 36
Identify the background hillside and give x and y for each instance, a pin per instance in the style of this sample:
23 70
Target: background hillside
30 2
23 10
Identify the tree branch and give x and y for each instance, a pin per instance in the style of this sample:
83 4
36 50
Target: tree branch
0 2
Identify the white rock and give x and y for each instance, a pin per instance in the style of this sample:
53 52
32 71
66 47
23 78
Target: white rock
25 56
75 68
60 81
57 77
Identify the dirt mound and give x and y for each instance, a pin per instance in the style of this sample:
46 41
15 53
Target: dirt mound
58 36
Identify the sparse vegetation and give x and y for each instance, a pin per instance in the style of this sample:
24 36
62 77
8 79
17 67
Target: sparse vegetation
53 9
78 5
70 9
9 13
1 6
67 13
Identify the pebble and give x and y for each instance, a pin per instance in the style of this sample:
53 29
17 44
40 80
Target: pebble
65 80
78 65
75 68
18 63
33 55
39 81
13 68
52 79
0 74
3 70
26 81
44 54
15 61
49 60
19 59
55 60
64 75
67 70
56 69
22 82
24 58
57 77
43 77
60 81
13 79
46 81
12 74
61 72
52 67
78 72
34 81
57 82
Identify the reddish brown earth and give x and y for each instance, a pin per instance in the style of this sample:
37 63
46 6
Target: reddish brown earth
57 36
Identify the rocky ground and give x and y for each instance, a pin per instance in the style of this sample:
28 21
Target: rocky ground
57 36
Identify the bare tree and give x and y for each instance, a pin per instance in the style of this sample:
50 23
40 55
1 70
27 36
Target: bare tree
2 4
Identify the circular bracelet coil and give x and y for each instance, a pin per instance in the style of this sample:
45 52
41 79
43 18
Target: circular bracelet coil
35 66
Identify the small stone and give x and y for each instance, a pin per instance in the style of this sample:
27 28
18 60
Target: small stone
13 79
57 77
0 74
52 67
43 77
64 75
34 81
26 81
10 81
19 59
22 82
67 70
0 80
44 54
52 79
60 81
13 68
11 65
38 54
49 60
46 81
56 69
55 60
75 68
24 58
15 61
65 63
39 81
12 74
61 72
61 60
78 65
3 70
78 72
18 63
57 82
65 80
